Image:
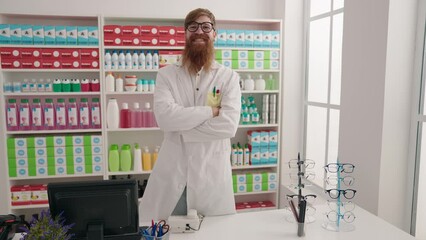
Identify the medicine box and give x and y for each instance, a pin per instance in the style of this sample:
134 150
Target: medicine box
264 155
257 39
255 155
230 38
226 63
49 35
239 38
273 138
240 54
15 34
267 35
82 35
41 171
271 54
248 38
39 194
275 39
224 54
272 64
27 34
264 138
253 138
60 170
4 33
71 35
221 38
41 161
273 154
93 35
40 152
60 35
38 35
20 195
20 162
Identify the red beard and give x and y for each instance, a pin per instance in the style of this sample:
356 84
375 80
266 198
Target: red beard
196 56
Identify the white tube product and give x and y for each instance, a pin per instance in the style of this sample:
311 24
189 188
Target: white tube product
110 83
119 87
113 114
137 158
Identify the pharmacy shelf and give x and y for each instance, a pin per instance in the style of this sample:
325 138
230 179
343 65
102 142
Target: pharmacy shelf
55 176
245 167
257 125
132 70
254 193
128 173
47 70
143 48
254 92
247 48
257 70
33 132
133 129
256 209
128 93
35 94
47 46
30 206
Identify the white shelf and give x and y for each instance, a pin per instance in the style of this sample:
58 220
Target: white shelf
56 131
254 92
257 125
47 70
57 176
133 129
257 70
128 173
254 166
128 93
143 48
131 70
47 46
30 206
52 94
254 193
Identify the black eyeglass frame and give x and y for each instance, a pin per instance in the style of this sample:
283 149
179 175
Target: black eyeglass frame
200 25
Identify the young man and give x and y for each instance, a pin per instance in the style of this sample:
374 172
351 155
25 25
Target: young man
197 105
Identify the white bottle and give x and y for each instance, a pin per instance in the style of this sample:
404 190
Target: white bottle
128 60
25 85
113 114
155 60
40 85
110 83
121 60
141 60
260 83
48 86
119 87
148 60
137 158
249 83
246 155
108 60
114 60
135 60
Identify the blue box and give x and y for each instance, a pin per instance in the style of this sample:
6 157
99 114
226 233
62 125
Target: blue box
221 38
71 35
249 38
27 34
4 33
93 34
82 35
275 39
255 156
61 35
239 38
15 34
38 34
230 38
253 138
264 155
266 39
257 38
273 155
49 35
264 139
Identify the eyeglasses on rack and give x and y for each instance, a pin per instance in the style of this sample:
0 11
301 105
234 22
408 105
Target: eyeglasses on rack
307 163
305 175
339 167
335 205
206 27
310 198
334 180
335 193
348 217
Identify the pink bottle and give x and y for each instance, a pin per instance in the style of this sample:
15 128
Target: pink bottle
49 114
95 112
61 114
36 115
148 116
124 116
24 115
72 114
12 115
84 113
137 116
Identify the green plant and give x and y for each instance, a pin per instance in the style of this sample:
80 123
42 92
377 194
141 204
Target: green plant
47 227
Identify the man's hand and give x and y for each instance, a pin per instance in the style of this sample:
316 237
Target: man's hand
215 111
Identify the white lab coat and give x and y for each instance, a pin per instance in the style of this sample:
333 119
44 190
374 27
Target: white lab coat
196 147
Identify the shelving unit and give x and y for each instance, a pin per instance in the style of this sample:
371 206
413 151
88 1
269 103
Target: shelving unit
150 137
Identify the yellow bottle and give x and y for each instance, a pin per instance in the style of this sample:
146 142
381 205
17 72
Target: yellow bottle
146 159
155 155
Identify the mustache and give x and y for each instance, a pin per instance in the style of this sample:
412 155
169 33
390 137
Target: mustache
199 36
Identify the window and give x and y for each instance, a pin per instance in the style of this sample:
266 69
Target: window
322 81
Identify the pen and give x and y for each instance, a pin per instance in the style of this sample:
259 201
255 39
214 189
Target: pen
214 91
160 231
302 211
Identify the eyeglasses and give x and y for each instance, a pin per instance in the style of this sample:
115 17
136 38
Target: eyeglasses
334 180
334 205
309 198
305 175
348 217
308 163
339 167
335 193
206 27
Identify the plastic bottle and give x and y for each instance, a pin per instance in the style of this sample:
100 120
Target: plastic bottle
234 155
57 85
48 86
148 116
110 83
124 116
95 113
246 155
249 83
240 155
260 83
49 114
151 85
119 85
145 86
66 85
155 155
113 120
24 115
16 87
61 114
36 115
121 60
84 113
125 158
25 85
114 60
137 158
75 85
12 115
146 159
114 158
108 60
155 60
40 85
137 116
141 60
135 60
148 60
7 87
33 85
72 114
128 60
139 86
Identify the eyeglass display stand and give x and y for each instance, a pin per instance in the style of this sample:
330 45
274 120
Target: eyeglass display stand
339 225
300 186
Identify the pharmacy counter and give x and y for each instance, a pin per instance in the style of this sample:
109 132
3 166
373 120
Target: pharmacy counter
272 224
